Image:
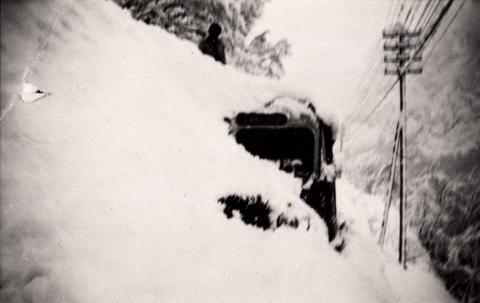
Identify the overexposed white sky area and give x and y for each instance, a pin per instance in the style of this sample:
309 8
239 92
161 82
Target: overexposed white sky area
331 43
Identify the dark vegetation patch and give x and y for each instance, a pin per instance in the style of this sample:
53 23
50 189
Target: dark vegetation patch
253 210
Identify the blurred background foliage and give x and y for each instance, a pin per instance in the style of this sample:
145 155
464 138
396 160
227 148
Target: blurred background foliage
443 153
190 19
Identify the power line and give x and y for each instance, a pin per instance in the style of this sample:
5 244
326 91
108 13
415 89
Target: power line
376 106
372 60
434 27
427 37
381 101
417 6
371 92
398 10
430 33
389 11
425 9
408 15
369 81
431 16
445 30
373 79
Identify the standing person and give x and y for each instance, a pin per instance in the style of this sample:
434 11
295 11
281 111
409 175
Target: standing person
212 45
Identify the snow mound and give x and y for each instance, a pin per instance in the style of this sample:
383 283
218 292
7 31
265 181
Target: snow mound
109 187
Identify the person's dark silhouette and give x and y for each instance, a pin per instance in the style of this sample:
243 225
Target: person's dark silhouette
212 45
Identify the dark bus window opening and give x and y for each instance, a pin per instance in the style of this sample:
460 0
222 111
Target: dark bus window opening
293 147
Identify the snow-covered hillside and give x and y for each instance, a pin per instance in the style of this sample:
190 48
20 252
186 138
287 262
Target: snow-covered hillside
109 185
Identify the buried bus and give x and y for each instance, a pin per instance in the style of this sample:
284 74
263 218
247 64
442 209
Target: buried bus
289 131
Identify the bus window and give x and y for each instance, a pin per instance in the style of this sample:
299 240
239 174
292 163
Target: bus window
293 147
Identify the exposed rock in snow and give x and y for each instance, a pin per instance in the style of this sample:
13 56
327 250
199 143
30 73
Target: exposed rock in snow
31 93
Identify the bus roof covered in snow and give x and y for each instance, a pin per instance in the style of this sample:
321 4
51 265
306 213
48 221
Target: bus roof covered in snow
286 130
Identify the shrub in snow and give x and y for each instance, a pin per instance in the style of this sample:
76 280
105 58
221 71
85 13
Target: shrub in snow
253 210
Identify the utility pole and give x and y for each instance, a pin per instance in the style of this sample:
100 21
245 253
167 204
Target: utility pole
400 46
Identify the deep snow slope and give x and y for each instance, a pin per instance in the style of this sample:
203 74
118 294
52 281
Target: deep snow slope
109 185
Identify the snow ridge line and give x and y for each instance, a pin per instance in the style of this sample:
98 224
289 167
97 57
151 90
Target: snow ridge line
28 68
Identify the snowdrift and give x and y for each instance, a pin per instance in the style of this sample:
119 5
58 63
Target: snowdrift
109 185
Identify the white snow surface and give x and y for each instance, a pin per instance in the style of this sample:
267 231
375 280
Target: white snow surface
109 185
